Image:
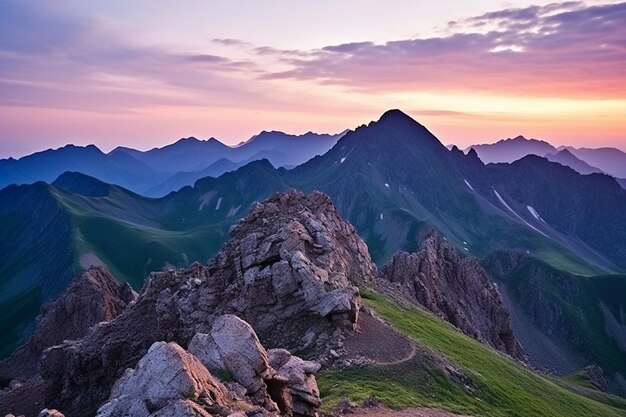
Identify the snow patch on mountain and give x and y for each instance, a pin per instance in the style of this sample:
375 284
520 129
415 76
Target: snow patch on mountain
517 215
535 214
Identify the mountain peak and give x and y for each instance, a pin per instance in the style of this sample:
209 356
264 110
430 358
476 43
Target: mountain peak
566 152
395 115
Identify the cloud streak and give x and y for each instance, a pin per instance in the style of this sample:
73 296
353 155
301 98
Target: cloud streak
559 50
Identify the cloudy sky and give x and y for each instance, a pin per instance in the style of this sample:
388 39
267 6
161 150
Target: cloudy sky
145 73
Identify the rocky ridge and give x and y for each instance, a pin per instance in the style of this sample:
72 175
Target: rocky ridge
287 270
455 289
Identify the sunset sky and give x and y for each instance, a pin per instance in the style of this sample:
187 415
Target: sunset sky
147 73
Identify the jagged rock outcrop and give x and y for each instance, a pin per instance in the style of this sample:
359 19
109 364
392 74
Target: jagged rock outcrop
166 374
92 298
276 379
287 270
456 290
169 381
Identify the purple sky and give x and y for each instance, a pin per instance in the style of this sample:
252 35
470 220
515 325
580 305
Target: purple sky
146 73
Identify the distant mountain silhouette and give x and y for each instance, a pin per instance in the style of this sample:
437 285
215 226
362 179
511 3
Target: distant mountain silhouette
565 157
509 150
120 168
610 160
161 170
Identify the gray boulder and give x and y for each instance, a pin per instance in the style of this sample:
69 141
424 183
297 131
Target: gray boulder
234 347
165 374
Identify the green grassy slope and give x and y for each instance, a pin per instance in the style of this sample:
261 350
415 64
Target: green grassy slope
502 386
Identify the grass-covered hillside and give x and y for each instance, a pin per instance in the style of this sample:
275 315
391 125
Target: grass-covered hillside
497 385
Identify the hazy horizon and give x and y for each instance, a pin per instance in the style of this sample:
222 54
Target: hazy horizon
140 75
108 149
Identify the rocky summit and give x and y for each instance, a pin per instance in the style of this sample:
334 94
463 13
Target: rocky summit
288 270
455 289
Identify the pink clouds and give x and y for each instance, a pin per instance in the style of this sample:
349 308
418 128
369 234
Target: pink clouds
560 50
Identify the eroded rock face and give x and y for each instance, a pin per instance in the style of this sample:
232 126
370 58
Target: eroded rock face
287 270
457 290
92 298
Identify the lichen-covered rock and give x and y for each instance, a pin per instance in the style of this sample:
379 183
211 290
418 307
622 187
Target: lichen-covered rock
457 290
181 408
166 373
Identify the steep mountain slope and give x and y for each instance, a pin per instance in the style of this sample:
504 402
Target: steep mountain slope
495 387
119 168
393 177
565 157
564 322
509 150
586 213
454 289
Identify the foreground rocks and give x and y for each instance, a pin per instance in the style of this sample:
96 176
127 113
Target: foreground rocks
457 290
169 381
166 375
287 270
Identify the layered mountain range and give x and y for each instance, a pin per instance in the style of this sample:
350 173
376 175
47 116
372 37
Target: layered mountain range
609 161
551 241
156 172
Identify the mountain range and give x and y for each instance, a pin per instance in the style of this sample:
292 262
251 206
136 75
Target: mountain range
610 161
156 172
392 179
